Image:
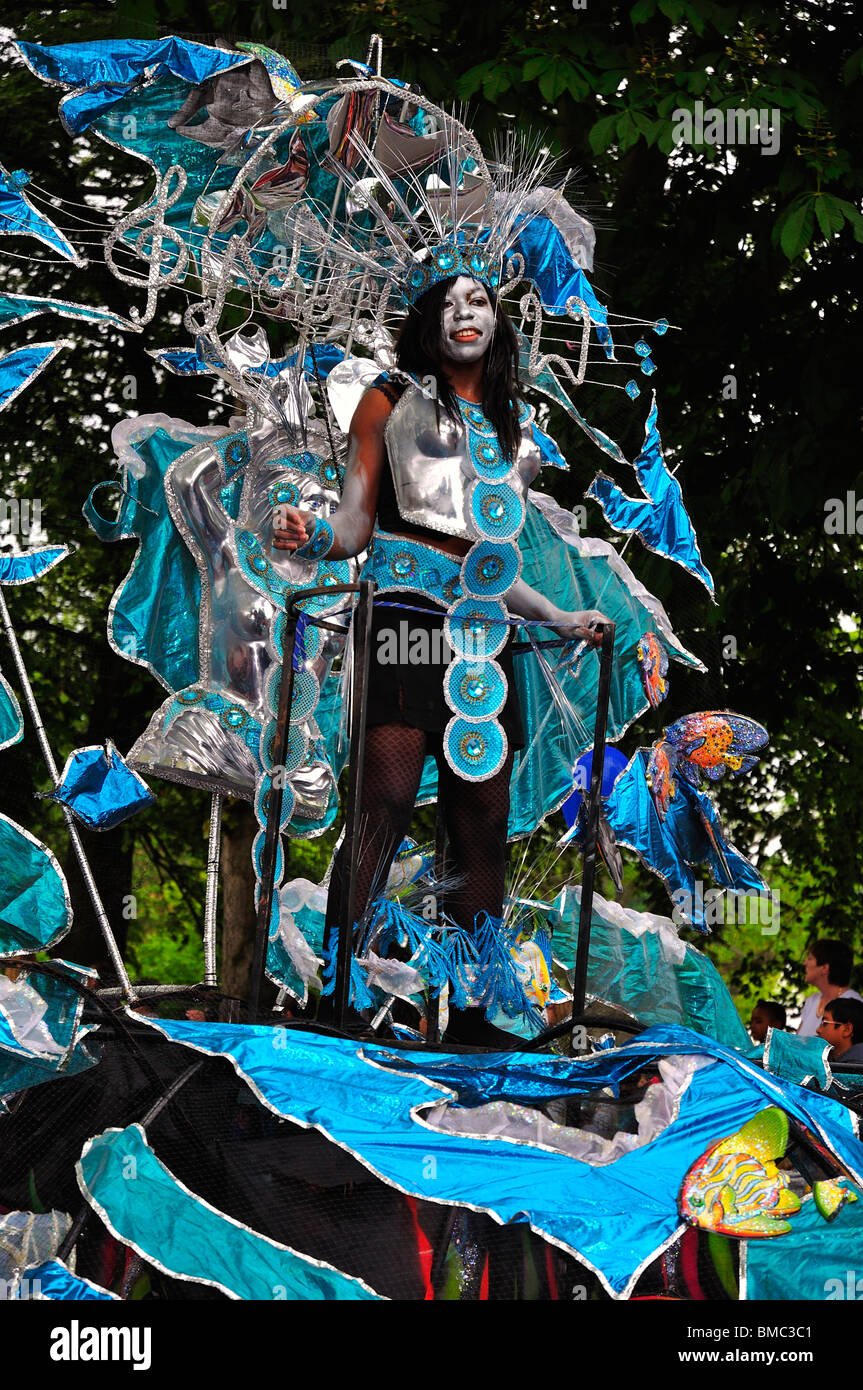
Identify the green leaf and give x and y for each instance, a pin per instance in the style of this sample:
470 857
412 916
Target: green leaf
829 214
498 82
534 66
627 132
644 10
474 78
673 10
853 67
602 134
797 228
560 76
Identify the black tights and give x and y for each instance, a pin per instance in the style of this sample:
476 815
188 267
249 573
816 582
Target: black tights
476 816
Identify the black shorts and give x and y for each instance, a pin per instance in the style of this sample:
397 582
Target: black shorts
410 691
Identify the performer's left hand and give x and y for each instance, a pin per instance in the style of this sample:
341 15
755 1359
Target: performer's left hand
582 627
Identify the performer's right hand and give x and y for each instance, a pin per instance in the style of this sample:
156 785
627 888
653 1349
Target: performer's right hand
291 527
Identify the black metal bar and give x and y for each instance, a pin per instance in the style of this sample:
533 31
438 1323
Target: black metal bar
274 814
557 1030
362 626
277 760
433 1013
582 952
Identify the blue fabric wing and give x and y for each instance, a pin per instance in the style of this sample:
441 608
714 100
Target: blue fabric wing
19 369
18 217
182 1234
23 569
549 264
660 518
106 69
17 308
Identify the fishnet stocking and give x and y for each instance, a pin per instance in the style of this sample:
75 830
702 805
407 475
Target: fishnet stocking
476 816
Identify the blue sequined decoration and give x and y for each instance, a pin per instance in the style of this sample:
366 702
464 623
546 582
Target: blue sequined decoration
475 750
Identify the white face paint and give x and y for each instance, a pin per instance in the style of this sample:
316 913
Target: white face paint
467 322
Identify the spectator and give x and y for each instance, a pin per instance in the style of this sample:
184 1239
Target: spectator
828 968
842 1026
766 1014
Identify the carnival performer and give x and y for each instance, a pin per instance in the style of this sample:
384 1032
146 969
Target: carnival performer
410 499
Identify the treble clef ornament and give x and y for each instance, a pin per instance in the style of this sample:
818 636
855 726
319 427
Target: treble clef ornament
166 264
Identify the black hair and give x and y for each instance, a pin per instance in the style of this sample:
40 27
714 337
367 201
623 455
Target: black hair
837 956
848 1011
776 1015
419 350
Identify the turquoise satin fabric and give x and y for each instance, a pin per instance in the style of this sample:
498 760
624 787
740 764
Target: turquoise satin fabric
639 972
19 218
814 1261
31 565
183 1235
101 790
22 1067
34 900
16 308
154 614
11 723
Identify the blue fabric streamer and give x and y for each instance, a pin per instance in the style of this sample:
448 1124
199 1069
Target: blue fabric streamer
19 369
661 521
548 449
100 788
616 1217
671 848
18 217
814 1261
180 1233
61 1050
105 69
35 912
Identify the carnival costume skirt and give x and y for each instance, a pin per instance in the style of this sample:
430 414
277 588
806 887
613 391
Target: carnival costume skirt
408 661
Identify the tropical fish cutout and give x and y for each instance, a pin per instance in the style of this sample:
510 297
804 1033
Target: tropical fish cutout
713 743
653 661
18 217
661 767
830 1197
284 79
659 517
736 1189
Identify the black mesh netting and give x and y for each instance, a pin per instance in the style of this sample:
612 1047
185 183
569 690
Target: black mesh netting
290 1184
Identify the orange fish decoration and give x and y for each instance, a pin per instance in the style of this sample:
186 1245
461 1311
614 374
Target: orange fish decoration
700 746
653 663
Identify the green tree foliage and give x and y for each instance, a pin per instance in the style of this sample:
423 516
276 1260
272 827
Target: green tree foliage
753 256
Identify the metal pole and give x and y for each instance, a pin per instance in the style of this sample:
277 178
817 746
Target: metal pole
362 627
579 981
212 898
433 1018
80 853
274 813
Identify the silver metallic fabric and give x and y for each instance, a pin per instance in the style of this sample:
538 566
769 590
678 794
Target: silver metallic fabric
432 468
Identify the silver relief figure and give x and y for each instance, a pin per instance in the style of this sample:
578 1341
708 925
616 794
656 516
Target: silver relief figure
208 736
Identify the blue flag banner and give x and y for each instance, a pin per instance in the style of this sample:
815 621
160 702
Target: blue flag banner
100 788
184 1236
659 518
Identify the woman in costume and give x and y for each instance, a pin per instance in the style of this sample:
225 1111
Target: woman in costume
435 488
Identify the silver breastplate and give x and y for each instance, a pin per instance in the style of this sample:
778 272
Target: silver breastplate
432 469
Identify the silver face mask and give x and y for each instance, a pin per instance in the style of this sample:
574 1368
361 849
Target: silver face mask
467 321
